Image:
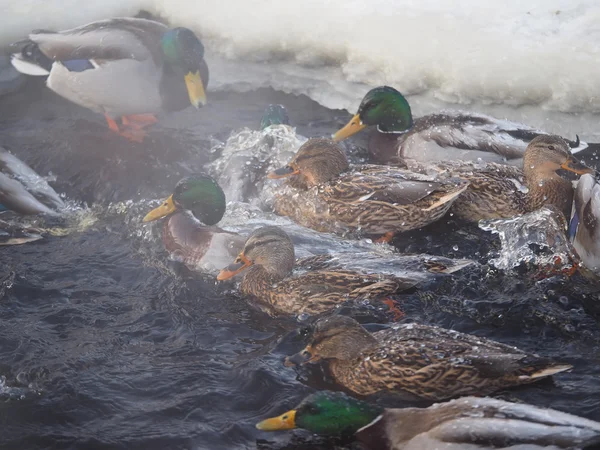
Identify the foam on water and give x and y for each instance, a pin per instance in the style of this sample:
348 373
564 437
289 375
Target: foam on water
493 57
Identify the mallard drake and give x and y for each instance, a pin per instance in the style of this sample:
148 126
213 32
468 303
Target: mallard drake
267 261
128 67
326 194
472 423
449 135
584 228
425 361
190 233
498 191
23 191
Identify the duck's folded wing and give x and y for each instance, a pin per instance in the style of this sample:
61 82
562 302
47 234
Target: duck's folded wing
112 39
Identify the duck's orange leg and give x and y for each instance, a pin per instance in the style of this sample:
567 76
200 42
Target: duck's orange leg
393 306
131 134
386 238
139 121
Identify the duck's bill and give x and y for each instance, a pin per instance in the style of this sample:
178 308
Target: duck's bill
354 126
283 172
167 207
300 358
240 264
574 166
195 88
286 421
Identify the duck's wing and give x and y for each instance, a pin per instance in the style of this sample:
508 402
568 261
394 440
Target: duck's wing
486 423
584 228
14 168
104 40
373 183
474 131
423 346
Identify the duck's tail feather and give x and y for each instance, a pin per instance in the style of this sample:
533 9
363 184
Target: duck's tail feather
30 60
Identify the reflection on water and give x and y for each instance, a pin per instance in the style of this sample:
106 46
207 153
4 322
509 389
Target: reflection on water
105 343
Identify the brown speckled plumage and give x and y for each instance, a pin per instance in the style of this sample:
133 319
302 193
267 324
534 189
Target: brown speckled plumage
430 362
368 200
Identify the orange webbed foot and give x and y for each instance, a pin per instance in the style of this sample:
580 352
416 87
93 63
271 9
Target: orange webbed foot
386 238
139 121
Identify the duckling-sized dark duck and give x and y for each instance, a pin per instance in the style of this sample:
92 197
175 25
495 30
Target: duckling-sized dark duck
498 191
326 194
190 233
446 136
267 261
429 362
472 423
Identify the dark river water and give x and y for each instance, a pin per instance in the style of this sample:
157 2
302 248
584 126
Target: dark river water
105 345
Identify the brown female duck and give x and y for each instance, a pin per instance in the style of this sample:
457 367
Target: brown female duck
426 361
268 261
499 191
325 194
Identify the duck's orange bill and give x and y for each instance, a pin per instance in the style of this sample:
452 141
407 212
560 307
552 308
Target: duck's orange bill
302 357
167 207
286 421
573 165
354 126
283 172
240 263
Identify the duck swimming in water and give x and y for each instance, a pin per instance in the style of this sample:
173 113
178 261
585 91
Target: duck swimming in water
498 191
425 361
472 423
447 136
326 194
267 261
190 233
124 67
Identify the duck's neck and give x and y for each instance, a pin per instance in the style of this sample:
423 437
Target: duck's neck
257 280
383 147
549 190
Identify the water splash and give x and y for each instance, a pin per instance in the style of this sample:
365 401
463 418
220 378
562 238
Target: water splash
537 239
248 156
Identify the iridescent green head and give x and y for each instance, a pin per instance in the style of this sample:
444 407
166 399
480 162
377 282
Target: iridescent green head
274 115
200 194
183 52
325 412
384 107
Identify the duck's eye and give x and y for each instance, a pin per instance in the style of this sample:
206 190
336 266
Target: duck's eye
551 147
312 409
304 331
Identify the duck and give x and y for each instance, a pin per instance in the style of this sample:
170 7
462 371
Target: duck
328 195
584 226
474 423
23 191
417 361
498 191
448 135
124 67
267 262
190 231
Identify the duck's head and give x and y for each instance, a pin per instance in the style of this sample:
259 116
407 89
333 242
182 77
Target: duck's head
384 107
317 161
268 247
183 52
334 337
200 194
274 115
325 412
549 157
